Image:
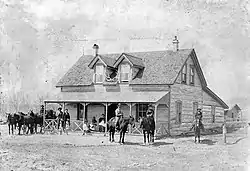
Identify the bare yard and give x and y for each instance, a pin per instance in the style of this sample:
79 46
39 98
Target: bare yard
94 152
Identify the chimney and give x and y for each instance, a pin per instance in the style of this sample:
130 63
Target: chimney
175 44
96 48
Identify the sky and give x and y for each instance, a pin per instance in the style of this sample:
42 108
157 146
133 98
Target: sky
41 40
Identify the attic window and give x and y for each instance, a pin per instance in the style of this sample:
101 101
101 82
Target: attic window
191 75
184 74
125 68
99 73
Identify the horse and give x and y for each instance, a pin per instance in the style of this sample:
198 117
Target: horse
148 127
12 120
38 120
123 125
198 126
27 121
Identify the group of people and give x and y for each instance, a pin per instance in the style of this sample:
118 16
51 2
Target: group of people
63 117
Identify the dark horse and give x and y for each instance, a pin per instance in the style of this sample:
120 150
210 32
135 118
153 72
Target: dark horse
27 121
148 127
123 126
198 126
38 120
12 120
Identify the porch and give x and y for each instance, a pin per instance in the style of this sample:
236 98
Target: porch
92 104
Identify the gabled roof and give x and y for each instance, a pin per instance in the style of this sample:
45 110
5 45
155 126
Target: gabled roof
79 73
106 60
217 98
161 67
135 61
237 107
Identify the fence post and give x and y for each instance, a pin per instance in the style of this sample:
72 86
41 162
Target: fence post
224 132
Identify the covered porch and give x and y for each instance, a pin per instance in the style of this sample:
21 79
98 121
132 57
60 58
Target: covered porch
92 104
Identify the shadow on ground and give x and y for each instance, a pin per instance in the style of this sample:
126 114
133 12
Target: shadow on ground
208 142
157 144
238 140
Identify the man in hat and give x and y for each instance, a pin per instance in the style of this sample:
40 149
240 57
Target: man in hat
150 111
198 116
118 115
59 115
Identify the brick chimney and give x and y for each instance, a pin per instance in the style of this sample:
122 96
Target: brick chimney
175 44
96 48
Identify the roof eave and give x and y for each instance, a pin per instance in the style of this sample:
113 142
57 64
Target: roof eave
217 98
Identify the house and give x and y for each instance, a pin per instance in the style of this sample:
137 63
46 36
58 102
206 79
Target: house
234 114
171 81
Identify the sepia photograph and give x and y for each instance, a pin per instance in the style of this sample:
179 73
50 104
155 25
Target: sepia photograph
124 85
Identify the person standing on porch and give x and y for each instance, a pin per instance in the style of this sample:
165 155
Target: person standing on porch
59 115
118 115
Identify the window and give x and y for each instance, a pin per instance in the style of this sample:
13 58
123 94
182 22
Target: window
141 110
99 73
178 112
80 112
191 75
195 107
184 74
213 113
125 68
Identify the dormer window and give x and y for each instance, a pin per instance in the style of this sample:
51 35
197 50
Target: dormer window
99 73
125 70
184 74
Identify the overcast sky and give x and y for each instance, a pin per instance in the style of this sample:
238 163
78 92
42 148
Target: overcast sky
35 34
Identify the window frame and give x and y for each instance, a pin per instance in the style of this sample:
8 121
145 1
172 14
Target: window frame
178 106
99 74
184 74
213 114
195 107
141 110
192 76
122 72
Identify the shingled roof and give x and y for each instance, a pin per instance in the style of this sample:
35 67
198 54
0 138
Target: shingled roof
161 67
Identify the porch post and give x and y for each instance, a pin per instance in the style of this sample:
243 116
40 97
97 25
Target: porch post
83 115
130 114
106 118
63 107
44 113
130 109
156 116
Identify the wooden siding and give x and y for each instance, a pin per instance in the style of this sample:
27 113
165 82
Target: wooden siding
219 114
187 95
162 113
137 88
197 82
208 100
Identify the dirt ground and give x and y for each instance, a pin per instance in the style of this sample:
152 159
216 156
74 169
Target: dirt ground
94 152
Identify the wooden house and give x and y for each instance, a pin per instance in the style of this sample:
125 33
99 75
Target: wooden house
233 114
171 81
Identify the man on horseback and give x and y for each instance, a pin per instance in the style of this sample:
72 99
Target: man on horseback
118 115
150 111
